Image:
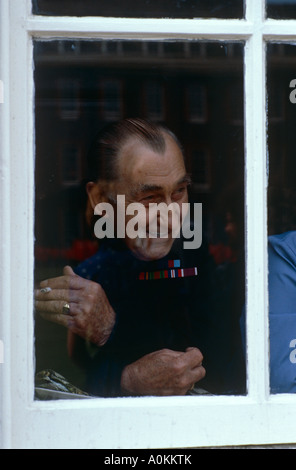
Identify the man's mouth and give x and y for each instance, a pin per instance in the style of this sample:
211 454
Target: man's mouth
158 234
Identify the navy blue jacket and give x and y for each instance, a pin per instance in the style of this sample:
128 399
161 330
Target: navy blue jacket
162 310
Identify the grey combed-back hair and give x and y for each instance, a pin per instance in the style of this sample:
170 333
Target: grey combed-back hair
104 152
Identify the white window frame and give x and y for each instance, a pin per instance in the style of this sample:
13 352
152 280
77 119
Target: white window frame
149 422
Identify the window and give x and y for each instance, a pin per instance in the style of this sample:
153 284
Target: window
142 8
186 83
257 418
69 99
281 215
283 9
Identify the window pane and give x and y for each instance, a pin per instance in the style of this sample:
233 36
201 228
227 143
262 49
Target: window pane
282 215
141 8
281 9
196 90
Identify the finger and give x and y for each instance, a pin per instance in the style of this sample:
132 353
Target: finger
54 307
60 280
193 357
44 290
194 376
60 319
64 282
198 373
68 271
67 295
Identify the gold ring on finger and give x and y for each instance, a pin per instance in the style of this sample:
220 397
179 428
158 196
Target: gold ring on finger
66 309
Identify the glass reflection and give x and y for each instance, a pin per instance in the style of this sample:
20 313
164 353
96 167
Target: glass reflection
281 9
282 215
141 8
195 89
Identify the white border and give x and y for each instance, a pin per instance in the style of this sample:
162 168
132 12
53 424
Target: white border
5 245
132 422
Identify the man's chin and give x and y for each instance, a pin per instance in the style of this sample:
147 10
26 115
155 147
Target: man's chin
151 249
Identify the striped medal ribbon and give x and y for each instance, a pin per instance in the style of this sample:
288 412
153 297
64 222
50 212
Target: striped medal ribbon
174 271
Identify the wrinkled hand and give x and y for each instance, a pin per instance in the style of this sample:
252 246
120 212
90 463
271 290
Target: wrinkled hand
91 315
163 373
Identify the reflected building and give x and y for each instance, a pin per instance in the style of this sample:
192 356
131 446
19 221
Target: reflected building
195 88
142 8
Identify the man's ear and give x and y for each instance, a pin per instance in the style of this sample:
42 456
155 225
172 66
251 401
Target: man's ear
95 194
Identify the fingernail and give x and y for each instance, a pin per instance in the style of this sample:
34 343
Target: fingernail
45 289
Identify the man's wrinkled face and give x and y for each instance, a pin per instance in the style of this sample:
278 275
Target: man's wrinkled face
150 178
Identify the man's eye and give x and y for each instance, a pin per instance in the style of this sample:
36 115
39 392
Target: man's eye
180 191
148 199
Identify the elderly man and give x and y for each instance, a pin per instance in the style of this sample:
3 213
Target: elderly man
141 313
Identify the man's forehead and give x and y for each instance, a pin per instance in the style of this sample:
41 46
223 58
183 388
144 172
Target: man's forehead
136 155
139 187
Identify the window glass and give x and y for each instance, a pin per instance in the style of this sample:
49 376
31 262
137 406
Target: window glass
281 9
282 215
141 8
196 90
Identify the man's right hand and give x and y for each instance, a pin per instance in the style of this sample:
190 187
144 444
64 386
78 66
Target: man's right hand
90 314
163 373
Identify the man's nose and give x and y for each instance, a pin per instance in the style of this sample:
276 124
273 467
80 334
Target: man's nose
169 218
165 219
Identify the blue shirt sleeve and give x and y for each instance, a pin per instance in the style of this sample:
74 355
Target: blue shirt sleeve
282 312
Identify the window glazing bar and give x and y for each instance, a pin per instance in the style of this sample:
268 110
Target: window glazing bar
143 28
256 209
